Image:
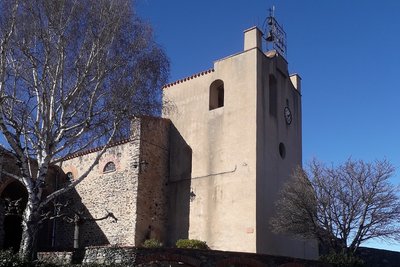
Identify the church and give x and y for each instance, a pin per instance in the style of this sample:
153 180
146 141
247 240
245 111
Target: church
210 169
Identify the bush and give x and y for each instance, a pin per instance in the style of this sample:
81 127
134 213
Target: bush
10 259
342 260
152 243
191 243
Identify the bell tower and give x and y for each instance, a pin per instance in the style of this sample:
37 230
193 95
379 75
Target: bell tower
242 120
279 139
275 34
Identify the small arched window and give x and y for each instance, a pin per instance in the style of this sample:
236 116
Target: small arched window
216 94
109 167
70 176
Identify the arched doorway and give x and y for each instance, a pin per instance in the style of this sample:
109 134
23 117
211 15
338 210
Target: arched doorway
12 222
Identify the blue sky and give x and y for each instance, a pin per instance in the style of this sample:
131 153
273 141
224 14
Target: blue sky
347 53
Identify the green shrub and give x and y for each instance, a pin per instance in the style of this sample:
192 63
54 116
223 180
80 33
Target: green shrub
191 243
152 243
10 259
342 260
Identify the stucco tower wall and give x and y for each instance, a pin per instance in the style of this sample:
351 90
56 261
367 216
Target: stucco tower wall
279 151
179 187
223 141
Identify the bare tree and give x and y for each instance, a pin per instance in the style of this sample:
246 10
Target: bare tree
340 206
71 73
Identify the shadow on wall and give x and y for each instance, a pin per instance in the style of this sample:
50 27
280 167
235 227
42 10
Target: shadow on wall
179 188
77 227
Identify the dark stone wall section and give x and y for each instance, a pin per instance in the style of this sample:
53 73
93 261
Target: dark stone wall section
379 257
131 256
142 257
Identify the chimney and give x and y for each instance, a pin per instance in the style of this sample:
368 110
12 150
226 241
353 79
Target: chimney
296 81
252 38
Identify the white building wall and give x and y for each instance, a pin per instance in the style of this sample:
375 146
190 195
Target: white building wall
223 161
237 170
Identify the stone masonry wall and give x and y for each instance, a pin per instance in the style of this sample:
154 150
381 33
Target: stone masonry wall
153 176
135 192
102 192
176 257
149 257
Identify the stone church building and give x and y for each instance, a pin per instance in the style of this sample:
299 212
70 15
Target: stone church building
211 169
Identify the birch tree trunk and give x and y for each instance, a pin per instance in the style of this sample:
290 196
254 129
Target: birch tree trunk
30 229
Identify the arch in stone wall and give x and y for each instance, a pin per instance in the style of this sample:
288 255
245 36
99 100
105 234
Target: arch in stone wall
10 225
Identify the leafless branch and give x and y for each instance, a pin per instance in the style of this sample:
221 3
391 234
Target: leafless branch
340 206
71 74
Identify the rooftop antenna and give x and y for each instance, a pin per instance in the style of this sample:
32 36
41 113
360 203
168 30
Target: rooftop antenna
275 33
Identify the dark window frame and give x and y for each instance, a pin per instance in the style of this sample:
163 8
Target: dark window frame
109 167
217 95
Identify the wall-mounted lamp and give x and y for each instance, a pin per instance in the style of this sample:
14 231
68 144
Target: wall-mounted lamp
192 195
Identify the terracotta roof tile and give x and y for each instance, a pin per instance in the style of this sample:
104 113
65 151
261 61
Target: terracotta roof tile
82 153
115 143
188 78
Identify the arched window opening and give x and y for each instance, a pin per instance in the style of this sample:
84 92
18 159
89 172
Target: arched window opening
216 94
14 199
70 176
273 96
109 167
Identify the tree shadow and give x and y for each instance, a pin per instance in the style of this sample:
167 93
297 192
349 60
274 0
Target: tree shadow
59 233
76 228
